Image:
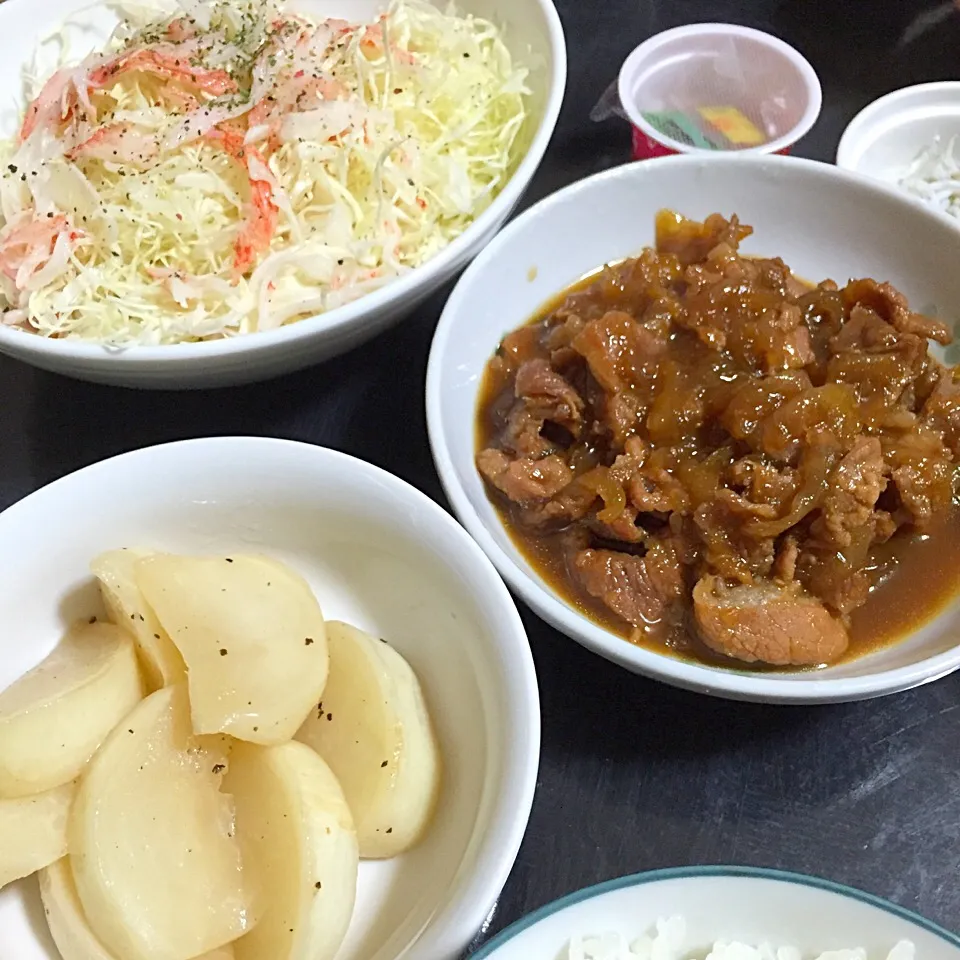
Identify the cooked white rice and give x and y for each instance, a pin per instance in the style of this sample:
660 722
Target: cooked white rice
669 942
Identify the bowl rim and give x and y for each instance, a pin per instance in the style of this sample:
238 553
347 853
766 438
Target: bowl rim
341 318
489 949
796 59
471 895
715 681
855 137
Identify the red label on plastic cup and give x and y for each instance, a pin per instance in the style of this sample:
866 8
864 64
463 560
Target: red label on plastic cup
646 148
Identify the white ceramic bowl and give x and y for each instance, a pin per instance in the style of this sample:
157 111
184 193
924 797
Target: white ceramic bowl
378 553
824 222
884 138
532 30
726 903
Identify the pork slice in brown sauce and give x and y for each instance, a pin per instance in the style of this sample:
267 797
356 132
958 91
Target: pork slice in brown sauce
766 622
524 480
741 307
836 577
865 331
761 481
543 397
641 590
656 490
516 348
892 306
941 411
878 360
624 529
728 547
621 414
522 434
785 564
754 399
691 242
821 416
619 521
922 473
617 349
853 489
648 485
773 342
549 394
561 329
569 506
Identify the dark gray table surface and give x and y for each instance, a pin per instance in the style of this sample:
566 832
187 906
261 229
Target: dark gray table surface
633 775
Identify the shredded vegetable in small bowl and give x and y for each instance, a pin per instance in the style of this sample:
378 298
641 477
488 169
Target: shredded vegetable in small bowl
934 176
232 167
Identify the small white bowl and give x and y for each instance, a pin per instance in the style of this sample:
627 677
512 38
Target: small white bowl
824 222
378 553
750 905
532 31
884 138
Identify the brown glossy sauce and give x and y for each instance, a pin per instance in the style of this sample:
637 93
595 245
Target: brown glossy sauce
922 572
925 579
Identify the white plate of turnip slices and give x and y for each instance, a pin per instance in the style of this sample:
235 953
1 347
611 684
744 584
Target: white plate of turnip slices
273 712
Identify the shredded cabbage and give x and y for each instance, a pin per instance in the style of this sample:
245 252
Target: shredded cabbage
228 167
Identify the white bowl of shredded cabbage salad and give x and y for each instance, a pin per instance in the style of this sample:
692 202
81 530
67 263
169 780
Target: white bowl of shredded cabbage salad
198 192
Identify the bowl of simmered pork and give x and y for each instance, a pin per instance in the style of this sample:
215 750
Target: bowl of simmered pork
703 416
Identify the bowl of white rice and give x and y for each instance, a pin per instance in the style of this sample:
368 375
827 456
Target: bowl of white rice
722 913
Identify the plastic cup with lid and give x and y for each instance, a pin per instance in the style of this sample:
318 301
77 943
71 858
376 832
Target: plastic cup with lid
714 87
